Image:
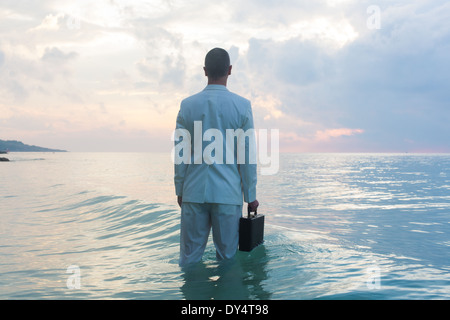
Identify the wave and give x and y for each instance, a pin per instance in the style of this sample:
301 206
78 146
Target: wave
118 243
326 228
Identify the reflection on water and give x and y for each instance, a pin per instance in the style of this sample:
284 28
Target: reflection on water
240 278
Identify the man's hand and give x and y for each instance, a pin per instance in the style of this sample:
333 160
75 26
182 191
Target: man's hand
180 201
253 206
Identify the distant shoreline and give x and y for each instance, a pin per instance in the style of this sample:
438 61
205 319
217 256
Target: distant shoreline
18 146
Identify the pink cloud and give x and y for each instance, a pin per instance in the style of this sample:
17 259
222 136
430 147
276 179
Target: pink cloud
321 141
322 135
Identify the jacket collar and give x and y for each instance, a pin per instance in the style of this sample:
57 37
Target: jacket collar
216 87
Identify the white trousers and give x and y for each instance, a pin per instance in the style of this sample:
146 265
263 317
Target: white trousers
196 222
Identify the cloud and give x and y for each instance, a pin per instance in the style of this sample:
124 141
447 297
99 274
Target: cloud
24 77
389 82
324 135
169 70
313 69
51 22
54 55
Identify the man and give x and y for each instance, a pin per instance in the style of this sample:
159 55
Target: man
211 194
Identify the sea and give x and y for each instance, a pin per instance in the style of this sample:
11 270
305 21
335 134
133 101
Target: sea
337 227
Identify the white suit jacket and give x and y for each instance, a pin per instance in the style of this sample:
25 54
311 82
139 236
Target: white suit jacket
227 183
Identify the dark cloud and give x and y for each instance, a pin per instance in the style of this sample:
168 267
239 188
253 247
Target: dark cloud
393 82
55 55
293 61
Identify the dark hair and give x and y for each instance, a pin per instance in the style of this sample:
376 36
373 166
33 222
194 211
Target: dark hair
217 63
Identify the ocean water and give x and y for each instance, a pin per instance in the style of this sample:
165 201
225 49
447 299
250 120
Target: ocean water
338 226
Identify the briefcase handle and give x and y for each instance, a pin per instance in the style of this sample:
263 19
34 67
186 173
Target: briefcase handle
248 212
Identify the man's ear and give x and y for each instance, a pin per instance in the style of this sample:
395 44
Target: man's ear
229 70
206 72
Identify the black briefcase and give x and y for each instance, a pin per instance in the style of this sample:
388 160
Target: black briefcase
251 231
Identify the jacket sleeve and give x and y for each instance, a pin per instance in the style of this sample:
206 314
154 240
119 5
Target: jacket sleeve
248 170
180 169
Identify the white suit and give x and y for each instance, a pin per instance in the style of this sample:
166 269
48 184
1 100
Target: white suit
213 193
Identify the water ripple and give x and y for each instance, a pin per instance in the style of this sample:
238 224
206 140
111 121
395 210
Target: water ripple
338 227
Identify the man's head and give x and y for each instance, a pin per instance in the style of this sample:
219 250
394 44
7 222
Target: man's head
217 64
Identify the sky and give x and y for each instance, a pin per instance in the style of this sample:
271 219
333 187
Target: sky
330 75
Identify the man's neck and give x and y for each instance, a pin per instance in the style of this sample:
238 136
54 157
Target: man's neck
220 81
